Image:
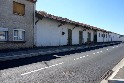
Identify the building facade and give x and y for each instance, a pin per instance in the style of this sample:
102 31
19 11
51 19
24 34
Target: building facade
121 38
56 31
23 27
16 23
52 30
49 34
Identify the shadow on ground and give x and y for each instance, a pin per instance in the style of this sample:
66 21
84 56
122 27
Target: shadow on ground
48 57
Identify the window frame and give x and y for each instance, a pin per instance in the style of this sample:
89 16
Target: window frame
15 10
102 35
5 30
99 35
21 30
109 36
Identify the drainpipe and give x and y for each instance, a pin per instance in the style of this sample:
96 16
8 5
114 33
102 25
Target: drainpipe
34 7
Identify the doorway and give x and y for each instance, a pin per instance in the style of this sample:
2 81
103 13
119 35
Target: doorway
89 37
95 36
80 37
69 37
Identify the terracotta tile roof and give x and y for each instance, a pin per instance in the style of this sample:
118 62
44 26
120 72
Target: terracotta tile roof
60 19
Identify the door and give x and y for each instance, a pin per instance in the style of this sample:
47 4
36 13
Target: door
80 37
69 37
95 36
89 37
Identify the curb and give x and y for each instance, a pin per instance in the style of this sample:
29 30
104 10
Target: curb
116 70
116 81
36 54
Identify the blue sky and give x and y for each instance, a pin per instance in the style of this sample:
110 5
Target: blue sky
105 14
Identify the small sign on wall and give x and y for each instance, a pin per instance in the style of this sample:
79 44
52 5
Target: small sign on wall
63 33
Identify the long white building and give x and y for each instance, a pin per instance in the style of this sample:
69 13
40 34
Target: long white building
52 30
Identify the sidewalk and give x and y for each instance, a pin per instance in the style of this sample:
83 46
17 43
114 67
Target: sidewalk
118 75
42 51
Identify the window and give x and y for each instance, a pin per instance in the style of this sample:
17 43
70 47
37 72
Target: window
106 35
3 34
19 35
109 36
103 35
18 8
99 34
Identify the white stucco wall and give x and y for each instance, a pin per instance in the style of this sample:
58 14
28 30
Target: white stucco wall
106 37
92 34
122 39
48 33
99 38
75 35
85 35
116 37
111 37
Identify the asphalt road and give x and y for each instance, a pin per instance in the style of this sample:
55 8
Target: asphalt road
71 67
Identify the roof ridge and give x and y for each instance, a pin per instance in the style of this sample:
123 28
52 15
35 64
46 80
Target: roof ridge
59 18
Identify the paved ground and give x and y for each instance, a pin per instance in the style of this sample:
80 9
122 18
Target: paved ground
120 74
69 67
29 52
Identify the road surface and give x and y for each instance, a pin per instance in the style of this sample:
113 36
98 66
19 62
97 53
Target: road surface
71 67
